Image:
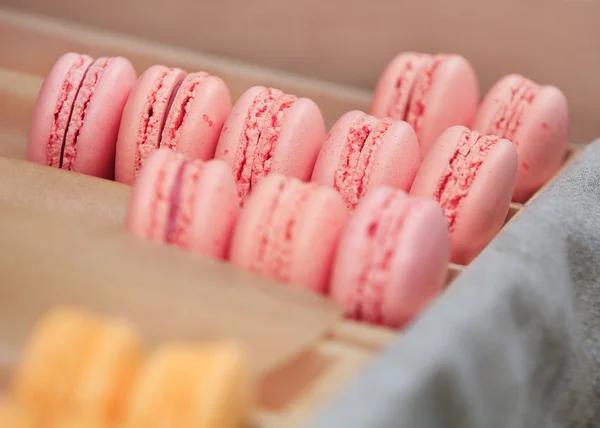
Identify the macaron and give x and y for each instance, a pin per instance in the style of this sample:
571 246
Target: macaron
288 231
472 177
76 364
430 92
191 204
362 151
536 119
77 114
191 386
170 108
392 259
270 131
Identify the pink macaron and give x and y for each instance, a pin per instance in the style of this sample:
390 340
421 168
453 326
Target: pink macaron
171 108
191 204
288 231
472 177
536 119
77 115
430 92
361 152
270 131
392 259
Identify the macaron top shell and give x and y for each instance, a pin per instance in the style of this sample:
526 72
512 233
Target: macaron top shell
361 152
392 259
442 91
472 178
270 131
76 119
215 210
536 119
196 116
191 204
288 231
300 140
95 152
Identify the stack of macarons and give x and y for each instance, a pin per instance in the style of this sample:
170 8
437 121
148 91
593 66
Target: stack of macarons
261 181
81 370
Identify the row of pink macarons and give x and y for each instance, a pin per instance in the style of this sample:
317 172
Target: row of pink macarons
95 117
384 263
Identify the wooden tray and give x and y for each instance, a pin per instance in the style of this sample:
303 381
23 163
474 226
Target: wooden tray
304 374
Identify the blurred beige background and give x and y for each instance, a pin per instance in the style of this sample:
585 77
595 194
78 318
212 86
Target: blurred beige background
551 41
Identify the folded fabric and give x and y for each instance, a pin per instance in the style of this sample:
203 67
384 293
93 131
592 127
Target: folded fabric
514 342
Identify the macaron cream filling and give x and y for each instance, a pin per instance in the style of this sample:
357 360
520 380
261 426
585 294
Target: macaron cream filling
351 177
64 109
155 113
509 116
381 239
82 101
461 171
259 137
280 229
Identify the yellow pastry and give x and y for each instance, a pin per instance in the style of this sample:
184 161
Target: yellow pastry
77 366
14 416
188 386
104 384
73 422
53 360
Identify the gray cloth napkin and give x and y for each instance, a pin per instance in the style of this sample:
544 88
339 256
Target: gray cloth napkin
515 341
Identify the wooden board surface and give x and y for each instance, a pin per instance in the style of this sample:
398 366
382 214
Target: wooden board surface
169 293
